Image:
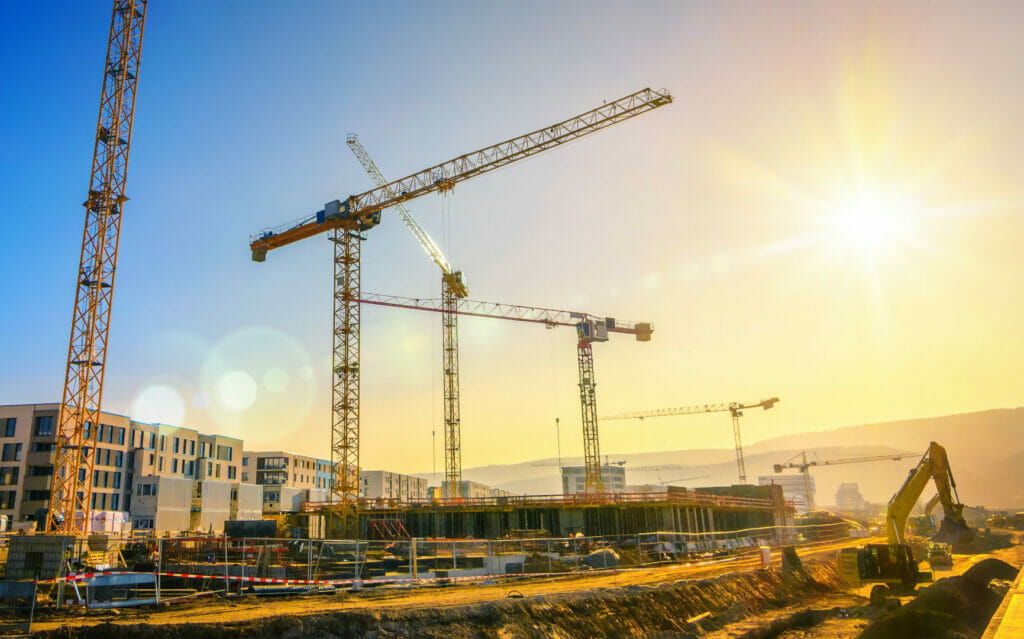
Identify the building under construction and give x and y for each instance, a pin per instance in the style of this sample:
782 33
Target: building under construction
712 509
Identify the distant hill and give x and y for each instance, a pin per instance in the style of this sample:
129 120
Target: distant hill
986 451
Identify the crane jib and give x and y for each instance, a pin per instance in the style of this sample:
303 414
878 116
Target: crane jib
363 211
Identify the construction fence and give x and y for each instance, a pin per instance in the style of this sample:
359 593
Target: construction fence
149 571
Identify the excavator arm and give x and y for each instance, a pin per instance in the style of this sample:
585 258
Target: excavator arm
933 466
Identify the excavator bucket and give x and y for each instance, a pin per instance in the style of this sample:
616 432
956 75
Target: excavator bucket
954 531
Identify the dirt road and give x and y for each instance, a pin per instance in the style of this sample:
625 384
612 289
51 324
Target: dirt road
249 608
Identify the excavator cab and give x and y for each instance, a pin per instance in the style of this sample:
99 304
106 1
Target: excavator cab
891 564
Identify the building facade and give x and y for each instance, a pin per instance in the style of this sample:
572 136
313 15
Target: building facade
383 484
288 479
849 499
574 479
125 452
467 490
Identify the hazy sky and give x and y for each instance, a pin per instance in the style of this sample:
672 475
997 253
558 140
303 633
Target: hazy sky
830 212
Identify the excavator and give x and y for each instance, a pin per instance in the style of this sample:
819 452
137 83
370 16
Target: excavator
893 563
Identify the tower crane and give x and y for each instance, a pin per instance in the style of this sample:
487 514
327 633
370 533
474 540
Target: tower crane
804 464
589 329
735 409
348 219
71 491
453 287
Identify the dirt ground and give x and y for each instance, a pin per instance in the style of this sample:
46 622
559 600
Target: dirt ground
844 614
745 603
249 608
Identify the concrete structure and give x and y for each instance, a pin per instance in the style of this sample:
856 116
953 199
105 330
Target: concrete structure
574 479
674 510
849 499
792 487
126 452
383 484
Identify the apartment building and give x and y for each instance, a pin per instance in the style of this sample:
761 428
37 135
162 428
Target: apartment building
383 484
467 490
180 504
126 451
288 479
574 479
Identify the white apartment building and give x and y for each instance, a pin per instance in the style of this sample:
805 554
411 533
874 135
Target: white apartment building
574 479
383 484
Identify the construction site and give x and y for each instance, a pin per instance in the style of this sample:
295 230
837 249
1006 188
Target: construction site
664 517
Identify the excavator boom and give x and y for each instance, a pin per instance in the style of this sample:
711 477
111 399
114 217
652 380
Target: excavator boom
933 466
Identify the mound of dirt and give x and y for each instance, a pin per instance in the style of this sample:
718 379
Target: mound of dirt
632 611
952 608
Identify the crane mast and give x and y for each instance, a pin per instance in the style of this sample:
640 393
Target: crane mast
453 287
735 409
359 213
78 423
589 328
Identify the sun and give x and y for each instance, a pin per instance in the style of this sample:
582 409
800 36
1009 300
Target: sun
871 219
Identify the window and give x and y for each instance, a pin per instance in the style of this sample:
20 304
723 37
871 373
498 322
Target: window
7 499
177 445
9 475
202 449
231 472
87 430
174 465
152 441
37 495
113 501
95 480
192 468
120 436
40 471
44 426
209 468
94 496
161 443
99 436
218 471
117 480
12 452
119 459
160 466
245 476
245 461
106 456
81 475
230 452
110 434
192 447
44 447
10 425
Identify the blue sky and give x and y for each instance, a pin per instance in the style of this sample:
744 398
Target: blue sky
242 113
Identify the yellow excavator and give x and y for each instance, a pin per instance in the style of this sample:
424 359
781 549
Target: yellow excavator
894 563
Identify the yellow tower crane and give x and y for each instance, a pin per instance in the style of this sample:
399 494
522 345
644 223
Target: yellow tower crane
347 219
804 464
589 329
78 424
735 409
453 288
